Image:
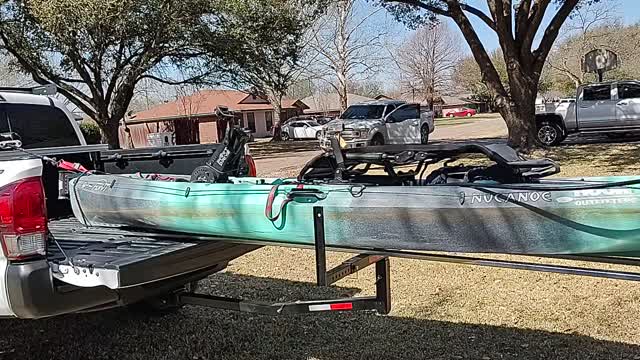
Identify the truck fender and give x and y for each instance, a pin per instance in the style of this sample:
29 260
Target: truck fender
375 132
551 118
426 117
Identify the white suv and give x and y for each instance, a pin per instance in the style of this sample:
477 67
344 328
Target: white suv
379 123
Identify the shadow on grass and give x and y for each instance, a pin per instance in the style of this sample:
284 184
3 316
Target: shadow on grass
594 152
282 148
201 333
599 155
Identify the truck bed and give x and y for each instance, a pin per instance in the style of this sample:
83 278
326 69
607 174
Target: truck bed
119 258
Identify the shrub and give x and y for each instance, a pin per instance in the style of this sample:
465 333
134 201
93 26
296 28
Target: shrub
91 132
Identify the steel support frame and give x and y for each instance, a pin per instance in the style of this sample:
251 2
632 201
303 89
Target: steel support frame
380 303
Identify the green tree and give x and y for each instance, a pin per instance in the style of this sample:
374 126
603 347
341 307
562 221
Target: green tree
516 24
467 76
96 52
91 132
266 65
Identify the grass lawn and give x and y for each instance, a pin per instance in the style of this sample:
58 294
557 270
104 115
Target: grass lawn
609 159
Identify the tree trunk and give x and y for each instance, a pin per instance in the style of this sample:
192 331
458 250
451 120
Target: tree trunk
109 130
343 88
277 126
519 111
344 8
521 124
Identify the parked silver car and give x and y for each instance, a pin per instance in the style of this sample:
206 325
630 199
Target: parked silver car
380 122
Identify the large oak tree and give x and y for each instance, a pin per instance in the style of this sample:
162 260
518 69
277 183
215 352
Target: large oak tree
96 52
524 43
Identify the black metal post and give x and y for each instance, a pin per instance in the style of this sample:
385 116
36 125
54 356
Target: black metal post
383 285
321 254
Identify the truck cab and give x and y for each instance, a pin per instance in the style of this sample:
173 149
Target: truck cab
380 122
611 108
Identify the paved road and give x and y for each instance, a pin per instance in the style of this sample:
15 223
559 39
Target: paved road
485 127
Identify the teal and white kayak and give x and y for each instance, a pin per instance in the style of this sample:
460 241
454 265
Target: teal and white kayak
539 219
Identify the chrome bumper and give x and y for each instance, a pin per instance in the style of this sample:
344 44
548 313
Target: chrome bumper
325 144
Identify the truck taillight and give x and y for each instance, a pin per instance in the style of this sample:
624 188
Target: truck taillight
23 219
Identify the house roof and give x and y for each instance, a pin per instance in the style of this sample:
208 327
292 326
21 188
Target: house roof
204 103
330 102
457 100
445 100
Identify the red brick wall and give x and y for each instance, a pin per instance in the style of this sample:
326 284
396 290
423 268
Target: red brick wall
136 137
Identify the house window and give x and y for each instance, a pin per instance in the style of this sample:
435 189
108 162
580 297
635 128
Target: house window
251 122
268 118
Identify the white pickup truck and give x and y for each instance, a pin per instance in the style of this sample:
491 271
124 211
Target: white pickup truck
610 108
49 263
380 122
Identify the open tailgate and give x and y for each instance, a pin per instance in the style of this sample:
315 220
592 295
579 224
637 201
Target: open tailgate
119 258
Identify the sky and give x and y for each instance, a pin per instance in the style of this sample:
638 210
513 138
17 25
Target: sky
629 11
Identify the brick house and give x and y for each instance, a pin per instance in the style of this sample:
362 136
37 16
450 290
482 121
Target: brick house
192 119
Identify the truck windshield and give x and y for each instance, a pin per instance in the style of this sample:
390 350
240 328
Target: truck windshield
363 112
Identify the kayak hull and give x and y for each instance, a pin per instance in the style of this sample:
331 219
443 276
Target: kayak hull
429 218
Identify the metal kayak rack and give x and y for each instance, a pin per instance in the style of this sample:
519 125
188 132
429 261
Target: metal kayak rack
381 302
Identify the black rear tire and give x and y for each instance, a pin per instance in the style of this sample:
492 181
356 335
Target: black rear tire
549 133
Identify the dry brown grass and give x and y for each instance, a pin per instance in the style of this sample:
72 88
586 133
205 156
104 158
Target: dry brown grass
612 159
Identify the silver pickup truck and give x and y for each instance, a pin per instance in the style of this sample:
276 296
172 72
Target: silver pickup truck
612 108
380 122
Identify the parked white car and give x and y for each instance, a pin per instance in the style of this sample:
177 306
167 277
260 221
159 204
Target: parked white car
380 122
301 129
